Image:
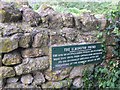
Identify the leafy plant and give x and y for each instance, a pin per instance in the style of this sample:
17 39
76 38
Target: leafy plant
107 74
104 76
77 7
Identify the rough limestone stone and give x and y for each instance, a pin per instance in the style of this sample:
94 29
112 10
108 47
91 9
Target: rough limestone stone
78 23
57 75
56 38
32 52
8 44
41 39
8 13
12 80
70 34
0 59
46 12
102 20
68 20
45 50
59 84
14 85
27 79
1 83
19 85
62 36
6 72
78 82
32 64
26 27
11 29
89 21
78 71
80 39
11 59
110 40
56 21
45 21
109 54
31 17
25 40
38 78
53 19
87 37
44 8
1 80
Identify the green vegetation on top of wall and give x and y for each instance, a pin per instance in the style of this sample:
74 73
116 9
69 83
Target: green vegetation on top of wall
77 8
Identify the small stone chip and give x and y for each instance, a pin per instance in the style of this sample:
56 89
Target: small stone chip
27 79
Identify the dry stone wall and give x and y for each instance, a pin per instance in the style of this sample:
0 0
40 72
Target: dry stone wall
25 39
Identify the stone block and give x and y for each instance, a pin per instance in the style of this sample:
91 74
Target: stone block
32 64
6 72
11 59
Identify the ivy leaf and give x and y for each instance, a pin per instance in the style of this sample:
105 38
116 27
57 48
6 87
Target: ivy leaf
117 74
108 83
100 35
116 31
114 79
112 85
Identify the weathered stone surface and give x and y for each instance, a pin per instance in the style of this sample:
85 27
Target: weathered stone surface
87 37
32 64
8 44
78 23
45 12
102 20
89 21
0 59
12 80
81 39
109 54
25 40
56 38
8 13
32 52
20 3
45 50
11 29
11 59
41 39
62 36
110 39
60 84
6 72
30 16
57 75
27 79
68 20
45 21
0 32
44 8
69 33
78 71
19 85
78 82
1 83
38 78
56 21
26 27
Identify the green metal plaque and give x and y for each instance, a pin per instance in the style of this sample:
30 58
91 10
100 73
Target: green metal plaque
75 55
